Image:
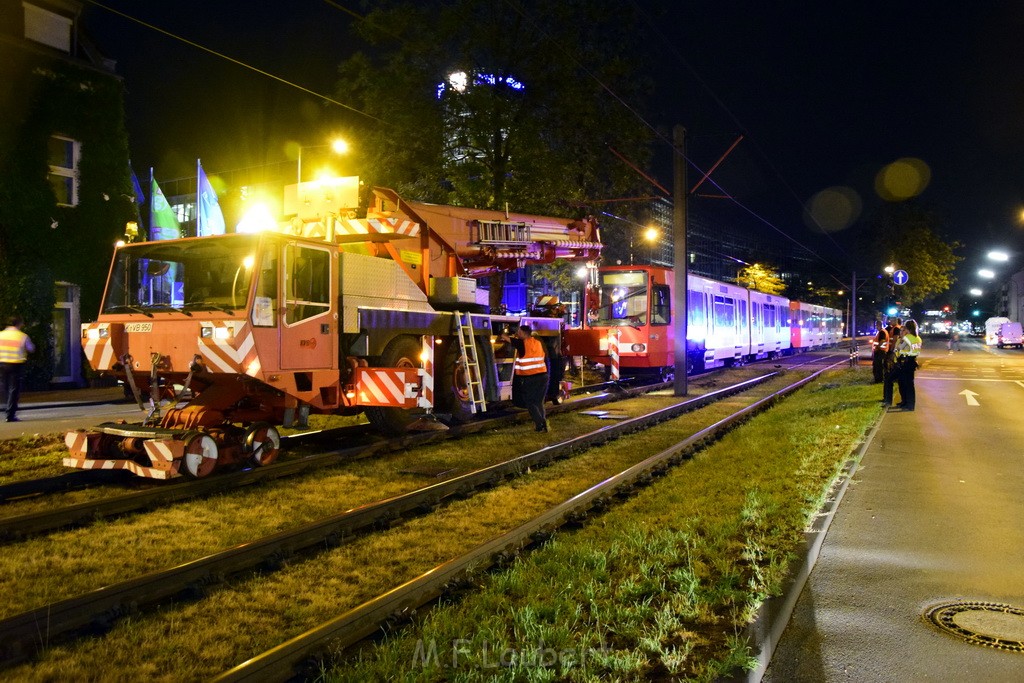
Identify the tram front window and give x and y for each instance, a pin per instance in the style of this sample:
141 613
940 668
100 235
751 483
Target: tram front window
206 274
623 299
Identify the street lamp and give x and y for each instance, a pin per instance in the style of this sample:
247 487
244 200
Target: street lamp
889 270
986 273
974 291
651 235
1000 256
338 146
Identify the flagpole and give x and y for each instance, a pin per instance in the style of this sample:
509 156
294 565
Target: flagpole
199 198
152 180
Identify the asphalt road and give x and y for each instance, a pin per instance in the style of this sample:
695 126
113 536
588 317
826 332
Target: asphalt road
933 514
59 419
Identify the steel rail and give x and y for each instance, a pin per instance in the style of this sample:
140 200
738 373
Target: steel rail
82 479
20 635
281 662
78 514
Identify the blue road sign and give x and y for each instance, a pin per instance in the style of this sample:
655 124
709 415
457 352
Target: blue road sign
900 277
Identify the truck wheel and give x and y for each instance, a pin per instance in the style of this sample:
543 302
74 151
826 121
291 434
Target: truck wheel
401 352
200 457
262 443
453 390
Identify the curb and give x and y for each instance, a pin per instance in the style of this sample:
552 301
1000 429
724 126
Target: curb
70 404
765 632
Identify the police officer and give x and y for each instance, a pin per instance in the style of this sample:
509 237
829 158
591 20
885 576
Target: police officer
15 346
879 347
530 380
907 350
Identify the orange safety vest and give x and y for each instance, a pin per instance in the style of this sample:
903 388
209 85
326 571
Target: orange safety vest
14 346
531 361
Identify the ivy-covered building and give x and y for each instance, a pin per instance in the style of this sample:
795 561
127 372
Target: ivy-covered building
65 188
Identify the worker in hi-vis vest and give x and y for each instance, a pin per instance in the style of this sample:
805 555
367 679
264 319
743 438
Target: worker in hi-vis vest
14 349
530 378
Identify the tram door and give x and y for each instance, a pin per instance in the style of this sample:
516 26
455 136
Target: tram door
309 325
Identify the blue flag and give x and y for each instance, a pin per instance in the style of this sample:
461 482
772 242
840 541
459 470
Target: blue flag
140 197
210 217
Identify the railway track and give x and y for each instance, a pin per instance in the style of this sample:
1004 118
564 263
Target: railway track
19 634
301 653
24 525
21 526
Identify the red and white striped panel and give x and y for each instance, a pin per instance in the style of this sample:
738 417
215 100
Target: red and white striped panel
378 226
234 354
426 398
130 465
613 353
162 453
99 351
387 387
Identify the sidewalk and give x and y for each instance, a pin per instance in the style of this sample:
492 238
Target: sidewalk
933 514
31 400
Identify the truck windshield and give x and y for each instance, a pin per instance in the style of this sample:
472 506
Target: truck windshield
623 299
211 273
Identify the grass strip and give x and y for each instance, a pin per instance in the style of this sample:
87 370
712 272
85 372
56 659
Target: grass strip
659 587
249 616
40 570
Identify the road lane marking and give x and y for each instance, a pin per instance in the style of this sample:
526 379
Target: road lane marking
926 378
969 395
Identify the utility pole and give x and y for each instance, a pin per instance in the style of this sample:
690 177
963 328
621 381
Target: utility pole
681 256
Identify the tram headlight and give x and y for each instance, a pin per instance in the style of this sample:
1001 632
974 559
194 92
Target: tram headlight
638 348
207 332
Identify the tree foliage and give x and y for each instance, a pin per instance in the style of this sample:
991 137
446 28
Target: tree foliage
529 123
761 277
907 236
40 241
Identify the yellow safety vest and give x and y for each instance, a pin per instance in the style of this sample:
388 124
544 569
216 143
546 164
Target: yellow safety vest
531 361
14 346
910 345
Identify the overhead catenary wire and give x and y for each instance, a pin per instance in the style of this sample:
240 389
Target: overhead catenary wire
656 28
238 62
540 29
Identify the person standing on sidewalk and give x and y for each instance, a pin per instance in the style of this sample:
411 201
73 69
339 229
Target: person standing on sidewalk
907 350
530 382
892 332
879 347
15 346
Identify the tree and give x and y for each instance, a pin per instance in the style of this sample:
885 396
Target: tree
762 278
490 103
906 235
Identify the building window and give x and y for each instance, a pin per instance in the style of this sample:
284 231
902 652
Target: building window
42 26
62 155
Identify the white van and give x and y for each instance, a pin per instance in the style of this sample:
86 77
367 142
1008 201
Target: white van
992 327
1010 334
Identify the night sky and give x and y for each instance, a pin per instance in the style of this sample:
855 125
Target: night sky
826 95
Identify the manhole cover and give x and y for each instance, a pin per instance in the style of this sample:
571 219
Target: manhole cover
983 623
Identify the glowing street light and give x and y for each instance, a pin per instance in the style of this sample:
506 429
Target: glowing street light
889 270
974 291
1000 256
338 146
986 273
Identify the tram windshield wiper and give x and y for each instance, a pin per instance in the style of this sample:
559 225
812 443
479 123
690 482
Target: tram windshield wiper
128 309
204 306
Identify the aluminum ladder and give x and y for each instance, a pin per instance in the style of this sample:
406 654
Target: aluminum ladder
471 362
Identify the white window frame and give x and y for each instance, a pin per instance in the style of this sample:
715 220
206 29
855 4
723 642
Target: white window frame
64 172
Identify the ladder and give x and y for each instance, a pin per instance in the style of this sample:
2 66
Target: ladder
471 362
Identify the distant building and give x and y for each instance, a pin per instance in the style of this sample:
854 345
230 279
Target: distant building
65 193
1011 298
